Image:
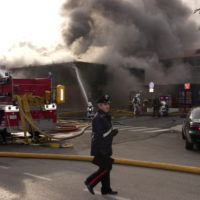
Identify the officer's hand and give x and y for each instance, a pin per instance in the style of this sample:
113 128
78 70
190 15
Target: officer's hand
114 132
112 160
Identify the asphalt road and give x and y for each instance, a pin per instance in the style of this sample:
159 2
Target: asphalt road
143 138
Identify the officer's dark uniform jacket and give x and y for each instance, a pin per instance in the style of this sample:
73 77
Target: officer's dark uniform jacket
101 134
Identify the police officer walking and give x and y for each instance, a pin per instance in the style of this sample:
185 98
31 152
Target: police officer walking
101 147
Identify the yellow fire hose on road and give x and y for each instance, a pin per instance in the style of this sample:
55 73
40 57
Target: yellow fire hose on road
120 161
47 135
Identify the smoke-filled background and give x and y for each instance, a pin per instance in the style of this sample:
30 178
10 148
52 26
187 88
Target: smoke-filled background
132 33
129 28
31 33
34 31
120 33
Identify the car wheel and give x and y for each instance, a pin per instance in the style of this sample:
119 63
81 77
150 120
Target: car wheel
183 135
198 146
188 145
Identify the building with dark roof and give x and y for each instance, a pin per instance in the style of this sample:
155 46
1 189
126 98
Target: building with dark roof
95 78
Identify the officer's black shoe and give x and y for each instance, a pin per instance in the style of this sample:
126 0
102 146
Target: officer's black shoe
111 192
89 188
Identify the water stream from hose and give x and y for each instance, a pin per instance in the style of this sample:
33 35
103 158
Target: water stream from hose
81 84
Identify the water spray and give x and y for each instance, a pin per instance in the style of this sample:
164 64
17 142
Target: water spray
80 83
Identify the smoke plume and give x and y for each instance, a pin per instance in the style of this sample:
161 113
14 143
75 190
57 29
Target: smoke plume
26 53
134 33
132 29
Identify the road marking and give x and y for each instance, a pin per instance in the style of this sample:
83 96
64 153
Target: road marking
112 196
36 176
132 127
4 167
136 129
160 130
144 129
122 126
119 128
88 131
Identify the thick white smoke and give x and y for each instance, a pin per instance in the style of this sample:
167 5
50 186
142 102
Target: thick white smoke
130 32
31 32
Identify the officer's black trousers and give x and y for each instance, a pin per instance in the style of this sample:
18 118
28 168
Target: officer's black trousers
101 175
106 182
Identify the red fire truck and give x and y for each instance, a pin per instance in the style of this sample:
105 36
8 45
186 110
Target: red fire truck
36 99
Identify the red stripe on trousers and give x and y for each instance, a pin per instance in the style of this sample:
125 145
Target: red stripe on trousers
99 176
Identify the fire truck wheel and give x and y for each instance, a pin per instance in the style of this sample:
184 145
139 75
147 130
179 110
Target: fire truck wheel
37 134
5 136
1 138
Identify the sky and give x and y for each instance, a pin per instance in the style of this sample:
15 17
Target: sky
31 31
193 4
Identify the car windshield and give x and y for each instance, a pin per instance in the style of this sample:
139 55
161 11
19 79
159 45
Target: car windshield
195 114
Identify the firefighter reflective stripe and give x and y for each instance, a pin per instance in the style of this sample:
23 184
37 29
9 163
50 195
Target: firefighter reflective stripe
107 133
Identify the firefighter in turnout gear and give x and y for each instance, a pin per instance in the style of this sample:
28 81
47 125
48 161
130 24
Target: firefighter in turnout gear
136 105
156 106
101 147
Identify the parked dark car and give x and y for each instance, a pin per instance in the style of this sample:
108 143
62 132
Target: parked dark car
191 128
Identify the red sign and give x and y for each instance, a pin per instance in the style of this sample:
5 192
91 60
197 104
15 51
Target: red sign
187 86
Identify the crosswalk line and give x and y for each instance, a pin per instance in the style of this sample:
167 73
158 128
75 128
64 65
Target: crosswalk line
143 129
122 127
135 129
38 177
4 167
159 130
130 128
88 131
118 127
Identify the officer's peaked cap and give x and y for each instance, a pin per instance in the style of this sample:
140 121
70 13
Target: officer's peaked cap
104 99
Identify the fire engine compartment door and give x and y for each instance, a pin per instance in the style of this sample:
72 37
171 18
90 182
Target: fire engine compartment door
35 86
